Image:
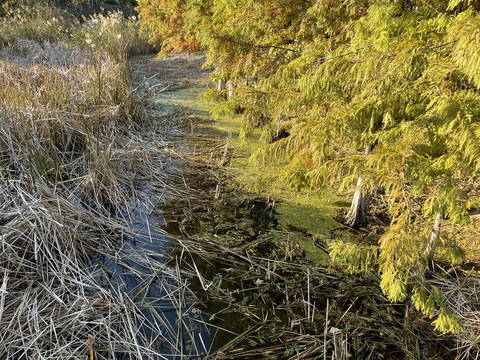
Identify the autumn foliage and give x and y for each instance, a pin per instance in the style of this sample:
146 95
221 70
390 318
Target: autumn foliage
401 78
165 21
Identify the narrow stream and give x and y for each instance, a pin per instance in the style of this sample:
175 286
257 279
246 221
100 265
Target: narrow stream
149 273
152 266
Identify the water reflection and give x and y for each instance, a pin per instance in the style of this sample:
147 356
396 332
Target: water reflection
147 269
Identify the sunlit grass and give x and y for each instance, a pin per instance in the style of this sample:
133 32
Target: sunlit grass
74 165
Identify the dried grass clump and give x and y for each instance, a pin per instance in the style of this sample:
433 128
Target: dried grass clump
55 299
116 34
29 52
74 171
87 95
39 22
462 295
42 22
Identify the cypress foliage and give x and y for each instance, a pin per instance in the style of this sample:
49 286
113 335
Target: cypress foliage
165 21
399 76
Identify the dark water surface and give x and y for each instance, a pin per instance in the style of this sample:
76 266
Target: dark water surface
210 301
155 268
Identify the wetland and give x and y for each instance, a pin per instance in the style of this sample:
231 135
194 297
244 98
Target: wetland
135 225
258 262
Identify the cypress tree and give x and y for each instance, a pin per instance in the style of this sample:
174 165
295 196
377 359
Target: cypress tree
165 22
399 77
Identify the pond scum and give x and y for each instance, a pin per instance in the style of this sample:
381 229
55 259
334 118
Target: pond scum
76 163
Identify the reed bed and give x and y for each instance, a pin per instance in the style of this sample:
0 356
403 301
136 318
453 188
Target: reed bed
115 33
51 303
35 21
77 175
43 22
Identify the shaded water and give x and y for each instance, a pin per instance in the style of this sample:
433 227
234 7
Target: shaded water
157 265
149 270
253 303
153 269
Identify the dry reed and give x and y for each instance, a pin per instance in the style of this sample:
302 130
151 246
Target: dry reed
75 170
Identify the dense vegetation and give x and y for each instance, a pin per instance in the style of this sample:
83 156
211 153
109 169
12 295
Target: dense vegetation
71 167
379 96
375 97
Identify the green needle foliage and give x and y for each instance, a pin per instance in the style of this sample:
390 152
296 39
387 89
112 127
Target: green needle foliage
400 77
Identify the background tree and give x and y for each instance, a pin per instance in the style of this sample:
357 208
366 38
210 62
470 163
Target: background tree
165 22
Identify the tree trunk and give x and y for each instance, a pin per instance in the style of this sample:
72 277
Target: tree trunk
357 214
230 90
431 246
220 86
280 119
